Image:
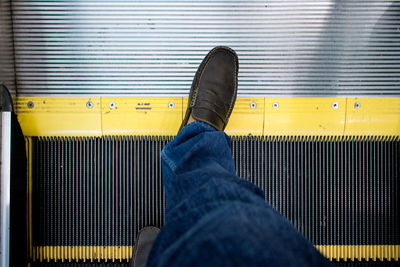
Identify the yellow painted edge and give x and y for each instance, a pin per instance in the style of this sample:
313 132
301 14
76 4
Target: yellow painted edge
124 253
83 253
28 144
360 252
305 116
371 116
59 116
296 116
140 116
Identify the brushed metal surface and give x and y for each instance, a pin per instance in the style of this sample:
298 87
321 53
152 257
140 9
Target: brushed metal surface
7 65
285 48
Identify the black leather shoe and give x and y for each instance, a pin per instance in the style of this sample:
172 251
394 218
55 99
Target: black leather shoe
214 88
144 242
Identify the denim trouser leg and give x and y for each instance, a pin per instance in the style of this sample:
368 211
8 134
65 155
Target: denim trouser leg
213 217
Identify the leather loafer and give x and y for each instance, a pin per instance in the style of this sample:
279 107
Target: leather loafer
214 89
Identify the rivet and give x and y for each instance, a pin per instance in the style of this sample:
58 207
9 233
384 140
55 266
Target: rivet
111 105
253 105
335 105
275 105
30 104
357 105
89 104
171 105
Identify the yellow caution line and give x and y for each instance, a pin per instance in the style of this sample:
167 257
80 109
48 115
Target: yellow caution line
360 252
124 253
28 144
82 253
296 116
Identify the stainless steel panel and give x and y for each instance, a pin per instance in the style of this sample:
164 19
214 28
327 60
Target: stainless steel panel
5 189
7 66
285 48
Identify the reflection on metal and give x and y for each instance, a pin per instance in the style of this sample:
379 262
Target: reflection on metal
5 187
7 66
6 109
153 48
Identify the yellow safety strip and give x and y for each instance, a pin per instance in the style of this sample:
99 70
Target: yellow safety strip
360 252
124 253
297 116
82 253
28 143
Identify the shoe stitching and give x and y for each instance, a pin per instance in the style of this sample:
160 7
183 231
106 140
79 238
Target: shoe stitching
196 88
216 113
229 50
195 93
235 84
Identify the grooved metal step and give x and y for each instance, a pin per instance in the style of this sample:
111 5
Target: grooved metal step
153 48
92 195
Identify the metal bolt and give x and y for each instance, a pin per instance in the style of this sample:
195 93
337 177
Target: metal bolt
253 105
335 105
357 105
30 104
171 105
275 105
111 105
89 104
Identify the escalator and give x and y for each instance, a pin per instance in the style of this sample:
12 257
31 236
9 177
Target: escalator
100 87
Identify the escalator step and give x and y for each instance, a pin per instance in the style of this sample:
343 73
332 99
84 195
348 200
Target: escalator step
125 264
80 264
118 264
91 195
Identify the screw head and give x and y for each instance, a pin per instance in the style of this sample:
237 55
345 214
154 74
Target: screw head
357 105
111 105
30 104
275 105
253 105
89 104
171 104
335 105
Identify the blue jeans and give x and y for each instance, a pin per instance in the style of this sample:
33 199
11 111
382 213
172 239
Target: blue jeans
213 217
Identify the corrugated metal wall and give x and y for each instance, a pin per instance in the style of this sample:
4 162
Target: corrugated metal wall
96 47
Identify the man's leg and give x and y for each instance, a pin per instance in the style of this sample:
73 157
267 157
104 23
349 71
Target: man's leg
212 216
215 218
